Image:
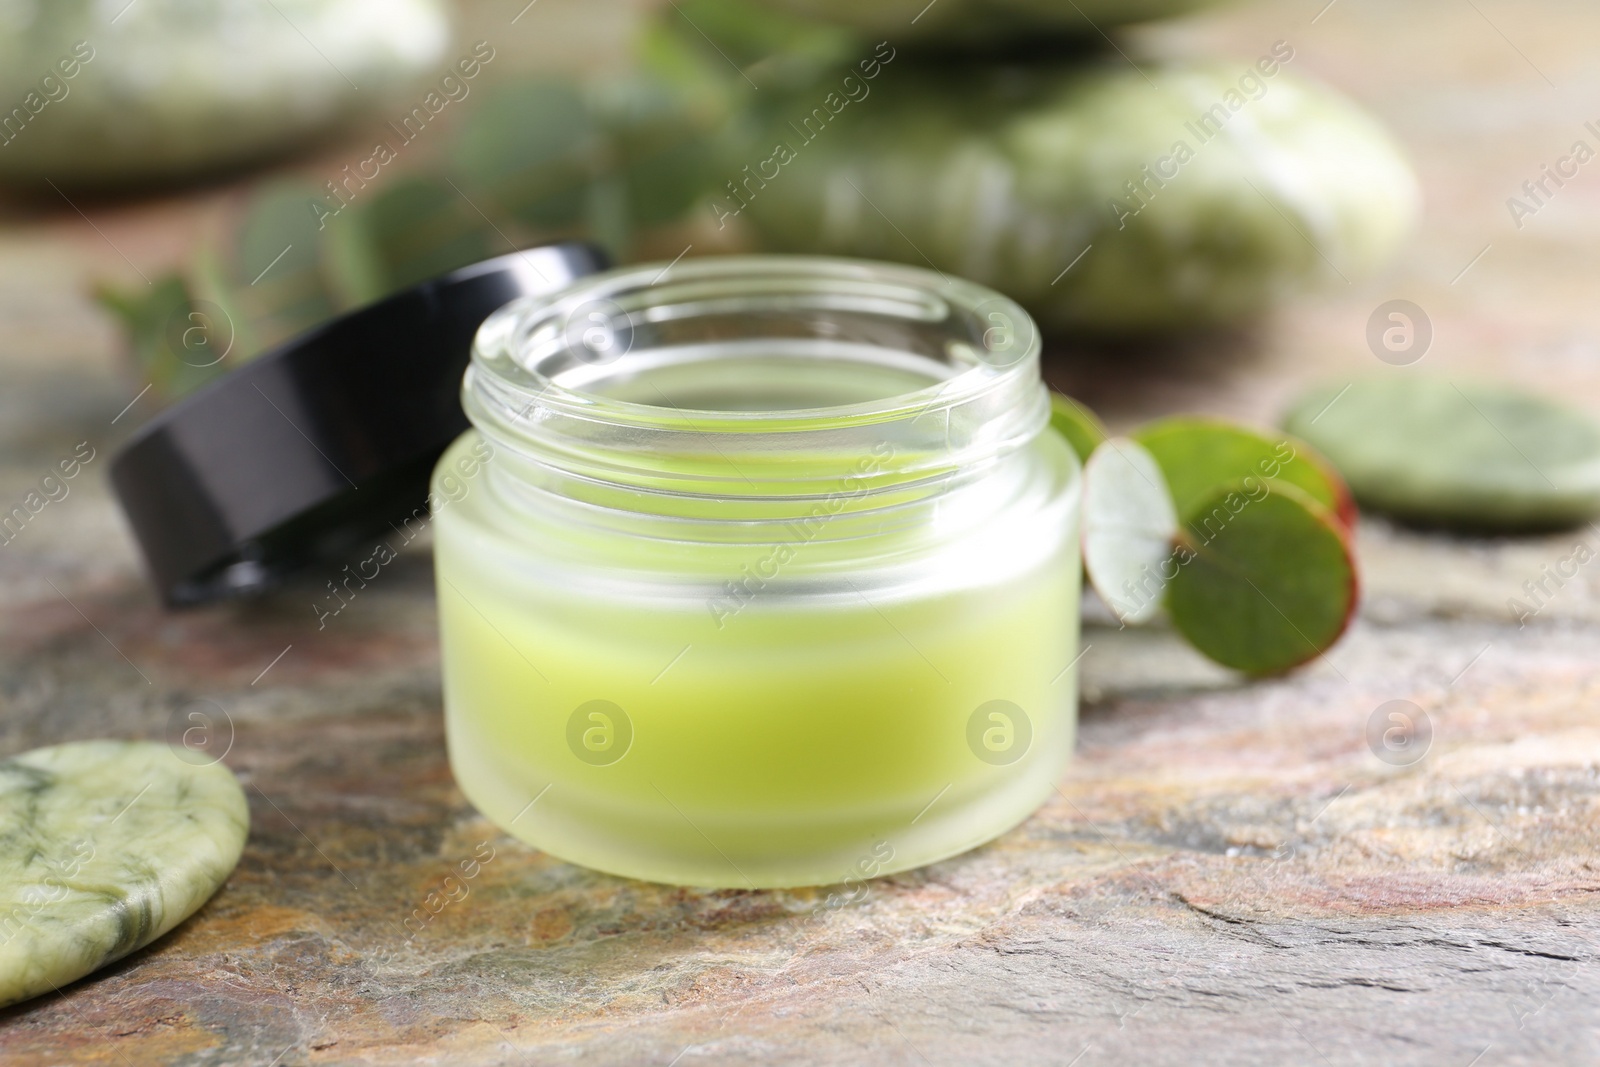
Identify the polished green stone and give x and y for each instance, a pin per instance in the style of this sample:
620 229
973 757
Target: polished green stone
1466 454
123 94
104 847
963 22
1007 173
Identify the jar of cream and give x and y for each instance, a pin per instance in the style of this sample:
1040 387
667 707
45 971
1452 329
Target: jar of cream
758 571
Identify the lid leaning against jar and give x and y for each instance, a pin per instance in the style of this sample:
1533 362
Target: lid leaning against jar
314 445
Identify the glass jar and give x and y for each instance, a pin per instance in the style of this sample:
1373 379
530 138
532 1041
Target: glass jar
758 571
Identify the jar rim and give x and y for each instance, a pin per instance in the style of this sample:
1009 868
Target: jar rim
515 344
765 335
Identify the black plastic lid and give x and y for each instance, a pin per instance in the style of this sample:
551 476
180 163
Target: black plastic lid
319 443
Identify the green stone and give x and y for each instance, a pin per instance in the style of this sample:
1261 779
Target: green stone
119 94
104 847
963 22
1463 454
1024 178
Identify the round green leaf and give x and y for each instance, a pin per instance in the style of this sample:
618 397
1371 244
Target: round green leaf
733 36
1081 427
662 142
1265 581
1128 528
1198 454
276 265
412 229
530 149
147 314
1465 454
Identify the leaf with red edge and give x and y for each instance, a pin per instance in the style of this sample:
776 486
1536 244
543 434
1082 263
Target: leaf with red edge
1197 454
1266 577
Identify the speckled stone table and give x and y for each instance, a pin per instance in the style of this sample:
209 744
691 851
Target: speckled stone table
1229 873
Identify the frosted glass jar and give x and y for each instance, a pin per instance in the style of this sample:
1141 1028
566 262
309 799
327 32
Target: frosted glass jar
758 571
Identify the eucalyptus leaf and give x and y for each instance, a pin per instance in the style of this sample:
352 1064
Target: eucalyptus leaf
669 49
1474 455
150 315
1197 454
1129 529
531 149
1081 427
276 266
738 40
228 321
664 144
412 229
1265 578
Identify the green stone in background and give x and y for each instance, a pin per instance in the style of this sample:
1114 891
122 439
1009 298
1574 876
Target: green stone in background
104 847
1471 455
1018 176
122 93
963 21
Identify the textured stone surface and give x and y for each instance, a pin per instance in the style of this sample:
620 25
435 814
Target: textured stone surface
104 847
1228 874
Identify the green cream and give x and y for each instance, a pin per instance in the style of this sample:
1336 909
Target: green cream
758 571
780 747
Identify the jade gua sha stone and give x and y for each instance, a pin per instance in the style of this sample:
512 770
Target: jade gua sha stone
104 847
1464 454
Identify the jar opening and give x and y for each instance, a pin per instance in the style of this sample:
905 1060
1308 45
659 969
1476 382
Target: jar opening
781 376
761 378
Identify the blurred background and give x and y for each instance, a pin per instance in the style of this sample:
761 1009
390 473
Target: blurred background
1204 207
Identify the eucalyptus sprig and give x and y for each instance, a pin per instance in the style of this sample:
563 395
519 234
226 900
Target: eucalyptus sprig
1242 537
609 159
